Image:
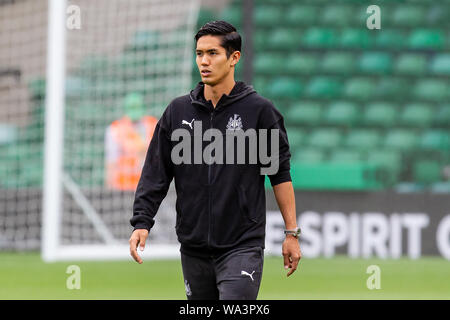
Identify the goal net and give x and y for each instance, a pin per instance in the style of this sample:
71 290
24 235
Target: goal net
86 82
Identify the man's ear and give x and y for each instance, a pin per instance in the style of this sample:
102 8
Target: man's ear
235 56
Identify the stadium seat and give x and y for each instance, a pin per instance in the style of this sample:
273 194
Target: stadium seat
440 187
431 89
301 63
269 63
400 139
232 14
284 87
375 63
301 15
362 139
323 87
360 88
390 39
260 84
338 62
417 115
295 137
427 39
390 159
341 113
267 15
435 139
356 39
411 64
308 155
324 138
441 64
346 156
442 116
337 15
380 114
144 40
408 16
304 113
283 39
409 187
316 37
426 171
8 133
392 88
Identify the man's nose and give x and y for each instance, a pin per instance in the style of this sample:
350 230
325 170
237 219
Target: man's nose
204 61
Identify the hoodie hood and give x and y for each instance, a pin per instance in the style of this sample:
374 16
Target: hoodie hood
239 91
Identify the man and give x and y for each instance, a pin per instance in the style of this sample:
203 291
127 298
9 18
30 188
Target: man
126 141
220 207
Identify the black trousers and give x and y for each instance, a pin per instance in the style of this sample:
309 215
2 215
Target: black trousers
234 275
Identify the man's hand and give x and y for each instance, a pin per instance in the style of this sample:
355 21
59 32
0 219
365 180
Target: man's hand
138 237
291 253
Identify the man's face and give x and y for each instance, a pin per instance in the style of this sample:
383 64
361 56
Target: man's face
212 61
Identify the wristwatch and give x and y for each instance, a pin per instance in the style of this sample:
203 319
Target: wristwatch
295 232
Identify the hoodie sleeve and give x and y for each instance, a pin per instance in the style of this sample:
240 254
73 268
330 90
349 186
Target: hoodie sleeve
272 119
156 176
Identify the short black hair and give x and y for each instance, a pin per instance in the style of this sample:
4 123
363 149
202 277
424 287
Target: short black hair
231 39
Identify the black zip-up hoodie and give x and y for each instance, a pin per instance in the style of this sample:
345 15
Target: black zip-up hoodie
219 206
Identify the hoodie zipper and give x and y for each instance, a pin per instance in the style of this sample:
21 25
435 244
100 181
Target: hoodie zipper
209 190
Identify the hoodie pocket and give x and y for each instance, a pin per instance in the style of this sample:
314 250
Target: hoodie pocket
192 215
244 205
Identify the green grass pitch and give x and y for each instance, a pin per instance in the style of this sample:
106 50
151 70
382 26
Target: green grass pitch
25 276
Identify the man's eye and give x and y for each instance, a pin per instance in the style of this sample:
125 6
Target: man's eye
199 53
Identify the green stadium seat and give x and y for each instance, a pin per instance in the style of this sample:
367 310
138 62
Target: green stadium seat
438 14
360 88
337 15
409 187
392 88
284 87
408 16
362 139
324 138
426 171
435 139
260 84
301 63
205 15
304 113
440 187
341 113
442 116
346 156
308 155
269 63
390 39
316 37
400 139
340 62
356 39
431 89
389 159
233 15
323 87
441 64
283 39
427 39
296 137
411 64
301 15
380 114
144 40
8 133
267 15
375 63
417 115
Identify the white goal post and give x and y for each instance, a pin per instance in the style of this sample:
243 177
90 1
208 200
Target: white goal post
142 47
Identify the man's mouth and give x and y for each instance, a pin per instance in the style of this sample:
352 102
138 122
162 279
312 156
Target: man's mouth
205 73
